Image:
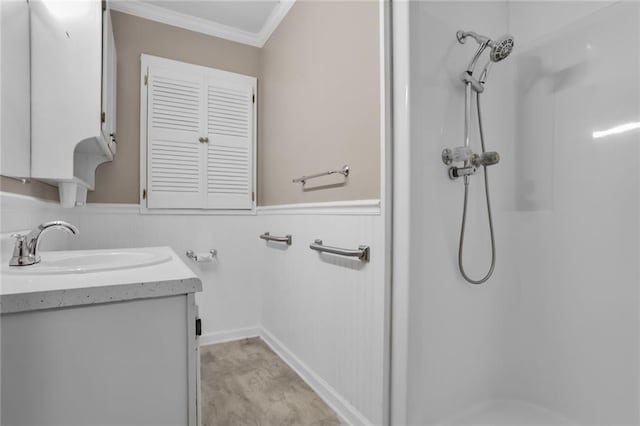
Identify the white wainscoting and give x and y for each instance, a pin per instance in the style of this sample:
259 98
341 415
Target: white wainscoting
323 314
328 311
231 283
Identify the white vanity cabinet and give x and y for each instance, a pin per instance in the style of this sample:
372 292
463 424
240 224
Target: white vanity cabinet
73 64
115 347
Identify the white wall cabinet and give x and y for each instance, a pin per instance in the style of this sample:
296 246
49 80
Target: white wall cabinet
14 86
73 94
198 135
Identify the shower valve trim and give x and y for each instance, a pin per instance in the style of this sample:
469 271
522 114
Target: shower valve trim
471 164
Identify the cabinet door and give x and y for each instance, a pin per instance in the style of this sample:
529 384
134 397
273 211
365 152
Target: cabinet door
66 81
175 148
230 130
15 126
200 136
109 78
126 363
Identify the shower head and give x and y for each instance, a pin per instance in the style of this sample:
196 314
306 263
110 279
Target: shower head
501 48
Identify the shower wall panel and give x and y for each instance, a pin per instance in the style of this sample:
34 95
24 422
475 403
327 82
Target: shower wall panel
557 326
576 253
459 353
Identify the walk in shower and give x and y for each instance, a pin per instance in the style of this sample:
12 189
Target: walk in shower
553 335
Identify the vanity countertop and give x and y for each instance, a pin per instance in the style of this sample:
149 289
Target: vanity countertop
28 290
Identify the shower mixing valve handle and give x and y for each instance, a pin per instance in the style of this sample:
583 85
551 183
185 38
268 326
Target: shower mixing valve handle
458 154
485 159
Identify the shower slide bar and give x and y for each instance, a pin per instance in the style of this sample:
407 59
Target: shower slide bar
362 252
268 237
344 172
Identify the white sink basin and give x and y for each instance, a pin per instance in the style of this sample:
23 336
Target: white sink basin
79 262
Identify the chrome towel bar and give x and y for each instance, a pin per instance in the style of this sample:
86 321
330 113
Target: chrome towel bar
269 237
344 172
362 252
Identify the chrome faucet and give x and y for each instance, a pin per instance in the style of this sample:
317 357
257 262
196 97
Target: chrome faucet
25 251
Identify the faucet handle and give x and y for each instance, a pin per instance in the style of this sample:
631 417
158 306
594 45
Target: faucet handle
21 242
20 255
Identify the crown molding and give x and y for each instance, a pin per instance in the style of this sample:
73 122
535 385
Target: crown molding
276 17
204 26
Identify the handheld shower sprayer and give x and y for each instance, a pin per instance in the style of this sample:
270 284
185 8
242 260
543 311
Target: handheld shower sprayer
501 48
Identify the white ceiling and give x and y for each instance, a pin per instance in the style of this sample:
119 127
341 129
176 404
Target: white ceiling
248 16
244 21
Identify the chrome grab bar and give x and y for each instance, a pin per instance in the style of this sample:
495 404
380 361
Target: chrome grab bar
268 237
344 172
362 252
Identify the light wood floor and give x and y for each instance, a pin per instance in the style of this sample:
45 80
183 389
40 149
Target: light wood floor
246 383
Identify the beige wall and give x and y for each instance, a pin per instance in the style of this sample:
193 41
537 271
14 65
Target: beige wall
319 103
34 188
119 181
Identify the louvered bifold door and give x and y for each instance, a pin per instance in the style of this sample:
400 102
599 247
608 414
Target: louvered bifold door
175 153
230 127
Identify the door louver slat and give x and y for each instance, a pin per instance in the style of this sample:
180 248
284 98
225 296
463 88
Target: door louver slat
174 165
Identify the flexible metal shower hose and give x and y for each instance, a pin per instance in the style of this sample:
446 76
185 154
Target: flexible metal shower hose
464 213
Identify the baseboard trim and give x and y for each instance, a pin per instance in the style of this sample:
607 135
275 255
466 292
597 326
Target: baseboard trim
347 413
228 336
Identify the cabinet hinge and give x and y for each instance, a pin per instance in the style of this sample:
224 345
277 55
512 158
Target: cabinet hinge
198 327
253 196
253 98
146 80
144 194
103 117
